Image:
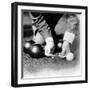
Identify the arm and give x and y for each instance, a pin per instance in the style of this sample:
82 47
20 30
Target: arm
49 46
68 39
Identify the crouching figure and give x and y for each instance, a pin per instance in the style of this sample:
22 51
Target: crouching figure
42 33
68 25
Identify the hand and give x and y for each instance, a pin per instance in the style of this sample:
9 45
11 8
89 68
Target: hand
49 46
65 48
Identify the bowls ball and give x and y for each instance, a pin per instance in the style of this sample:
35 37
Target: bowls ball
35 51
70 56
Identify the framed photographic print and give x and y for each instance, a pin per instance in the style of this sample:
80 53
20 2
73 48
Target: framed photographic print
49 44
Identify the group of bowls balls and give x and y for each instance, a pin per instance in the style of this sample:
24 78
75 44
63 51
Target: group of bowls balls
37 51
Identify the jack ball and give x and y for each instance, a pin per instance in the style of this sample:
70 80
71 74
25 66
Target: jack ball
70 56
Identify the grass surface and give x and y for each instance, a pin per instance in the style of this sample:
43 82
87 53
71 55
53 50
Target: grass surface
33 65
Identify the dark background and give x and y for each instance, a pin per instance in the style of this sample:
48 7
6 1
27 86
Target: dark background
50 17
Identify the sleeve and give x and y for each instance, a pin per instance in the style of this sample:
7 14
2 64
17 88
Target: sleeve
68 36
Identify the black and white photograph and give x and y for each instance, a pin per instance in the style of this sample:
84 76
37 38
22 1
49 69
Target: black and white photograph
49 44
